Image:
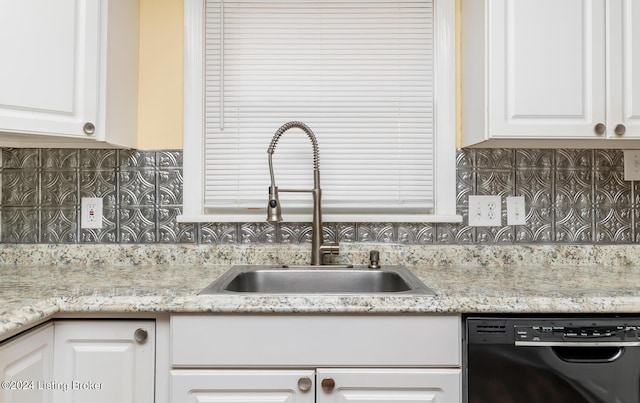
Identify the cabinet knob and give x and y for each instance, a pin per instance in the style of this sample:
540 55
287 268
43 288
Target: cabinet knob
600 128
620 130
304 384
89 128
328 384
140 335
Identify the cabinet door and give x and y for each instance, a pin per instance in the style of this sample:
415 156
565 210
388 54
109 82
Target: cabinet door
389 385
105 361
238 386
546 68
49 69
27 360
624 65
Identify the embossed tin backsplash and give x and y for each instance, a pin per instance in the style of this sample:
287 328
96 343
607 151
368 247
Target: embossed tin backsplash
572 196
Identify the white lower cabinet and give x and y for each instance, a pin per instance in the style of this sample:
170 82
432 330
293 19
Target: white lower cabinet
26 365
316 358
238 386
104 361
324 385
366 385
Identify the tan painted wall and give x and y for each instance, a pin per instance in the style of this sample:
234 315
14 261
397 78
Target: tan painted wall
161 74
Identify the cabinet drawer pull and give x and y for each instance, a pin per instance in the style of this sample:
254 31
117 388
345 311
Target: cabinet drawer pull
140 335
328 384
620 130
89 128
600 128
304 383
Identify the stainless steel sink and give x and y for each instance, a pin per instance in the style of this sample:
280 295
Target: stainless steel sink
259 279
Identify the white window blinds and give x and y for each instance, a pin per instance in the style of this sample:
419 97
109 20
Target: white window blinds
358 73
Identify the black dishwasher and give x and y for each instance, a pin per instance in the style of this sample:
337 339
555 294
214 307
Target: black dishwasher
552 360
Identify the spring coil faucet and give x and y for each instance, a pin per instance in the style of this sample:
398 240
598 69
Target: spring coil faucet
274 212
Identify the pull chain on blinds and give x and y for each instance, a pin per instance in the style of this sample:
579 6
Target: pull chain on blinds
359 73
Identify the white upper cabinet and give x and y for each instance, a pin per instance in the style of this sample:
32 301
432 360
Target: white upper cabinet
541 70
69 74
624 66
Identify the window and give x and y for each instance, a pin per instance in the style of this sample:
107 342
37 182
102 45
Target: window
374 80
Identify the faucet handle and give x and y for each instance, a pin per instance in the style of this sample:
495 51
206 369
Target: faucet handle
332 249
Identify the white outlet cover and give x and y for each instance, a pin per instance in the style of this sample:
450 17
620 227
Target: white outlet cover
91 212
485 211
516 211
632 165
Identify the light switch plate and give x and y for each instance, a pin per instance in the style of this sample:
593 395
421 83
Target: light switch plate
631 165
485 211
516 211
91 212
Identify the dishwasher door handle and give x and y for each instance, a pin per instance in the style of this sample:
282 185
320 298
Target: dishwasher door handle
577 343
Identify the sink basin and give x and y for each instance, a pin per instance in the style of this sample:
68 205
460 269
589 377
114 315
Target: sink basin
317 280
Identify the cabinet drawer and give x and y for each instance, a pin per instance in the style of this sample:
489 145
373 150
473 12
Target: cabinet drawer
315 340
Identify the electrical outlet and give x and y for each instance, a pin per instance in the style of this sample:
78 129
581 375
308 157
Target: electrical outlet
91 212
485 211
631 165
516 211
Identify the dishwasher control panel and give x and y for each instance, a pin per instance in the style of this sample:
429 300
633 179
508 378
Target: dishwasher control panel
530 331
542 333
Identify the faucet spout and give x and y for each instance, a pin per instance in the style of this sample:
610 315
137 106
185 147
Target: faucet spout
318 247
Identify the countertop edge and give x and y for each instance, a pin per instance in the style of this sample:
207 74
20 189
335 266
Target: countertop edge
23 318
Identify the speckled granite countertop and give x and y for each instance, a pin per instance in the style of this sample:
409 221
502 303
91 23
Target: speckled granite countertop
32 292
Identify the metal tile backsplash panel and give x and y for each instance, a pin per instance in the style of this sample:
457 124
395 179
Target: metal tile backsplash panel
142 191
572 196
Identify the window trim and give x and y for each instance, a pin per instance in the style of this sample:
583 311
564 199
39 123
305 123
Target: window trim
444 121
